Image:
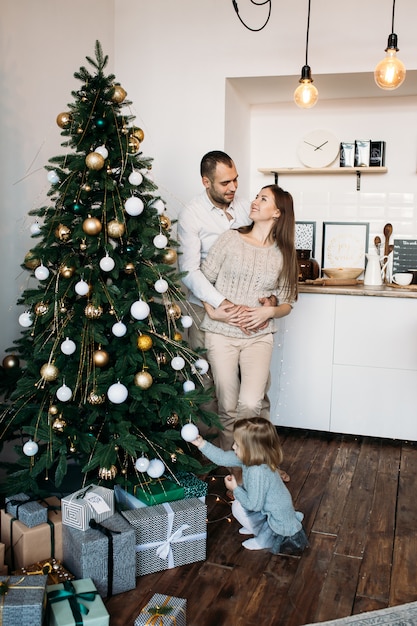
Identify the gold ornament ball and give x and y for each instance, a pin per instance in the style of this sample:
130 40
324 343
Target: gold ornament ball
49 372
130 268
92 226
174 311
64 119
143 380
31 262
94 161
115 229
101 358
107 473
177 336
53 410
62 232
11 361
66 271
41 308
95 399
170 256
173 419
173 457
133 145
165 222
92 311
119 94
144 342
161 358
138 133
59 424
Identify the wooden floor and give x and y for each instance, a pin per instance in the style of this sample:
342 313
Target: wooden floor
359 498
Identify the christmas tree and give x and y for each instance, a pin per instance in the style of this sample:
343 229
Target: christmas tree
101 374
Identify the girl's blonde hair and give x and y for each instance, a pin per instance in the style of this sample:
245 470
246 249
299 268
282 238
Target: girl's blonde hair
259 442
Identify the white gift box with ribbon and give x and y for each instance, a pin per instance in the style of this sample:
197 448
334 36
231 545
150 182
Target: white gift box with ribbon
169 535
92 502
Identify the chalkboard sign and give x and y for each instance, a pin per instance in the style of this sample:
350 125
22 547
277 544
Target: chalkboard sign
405 255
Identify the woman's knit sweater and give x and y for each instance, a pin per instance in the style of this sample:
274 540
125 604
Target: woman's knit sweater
243 273
262 490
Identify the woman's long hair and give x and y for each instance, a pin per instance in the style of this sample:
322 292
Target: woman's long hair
259 442
283 233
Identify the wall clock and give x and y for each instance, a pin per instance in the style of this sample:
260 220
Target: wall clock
318 148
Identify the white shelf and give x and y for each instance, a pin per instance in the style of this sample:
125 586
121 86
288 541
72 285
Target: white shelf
323 170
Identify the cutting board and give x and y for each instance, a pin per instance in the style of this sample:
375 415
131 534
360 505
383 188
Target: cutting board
334 282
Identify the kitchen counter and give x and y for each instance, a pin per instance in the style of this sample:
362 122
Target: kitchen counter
360 290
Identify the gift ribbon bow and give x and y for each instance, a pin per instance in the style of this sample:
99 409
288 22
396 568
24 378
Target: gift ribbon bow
163 550
159 612
6 586
68 593
110 560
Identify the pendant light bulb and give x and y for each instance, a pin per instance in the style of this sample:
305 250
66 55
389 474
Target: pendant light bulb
306 94
390 72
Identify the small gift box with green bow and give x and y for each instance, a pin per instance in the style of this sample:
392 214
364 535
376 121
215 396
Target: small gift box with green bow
163 610
76 602
22 600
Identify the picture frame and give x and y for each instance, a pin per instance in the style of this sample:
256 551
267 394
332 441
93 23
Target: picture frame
345 244
305 236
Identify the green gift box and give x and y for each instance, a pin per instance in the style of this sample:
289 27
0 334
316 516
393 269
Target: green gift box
22 600
76 602
193 487
159 490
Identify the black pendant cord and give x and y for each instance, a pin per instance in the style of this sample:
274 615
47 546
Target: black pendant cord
254 30
308 30
393 13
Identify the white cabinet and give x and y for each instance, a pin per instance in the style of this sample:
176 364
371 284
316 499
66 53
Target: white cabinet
347 364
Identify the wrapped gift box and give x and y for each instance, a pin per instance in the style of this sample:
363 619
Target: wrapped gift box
64 602
108 559
92 502
163 610
52 568
125 500
156 491
169 535
193 486
24 545
26 509
22 600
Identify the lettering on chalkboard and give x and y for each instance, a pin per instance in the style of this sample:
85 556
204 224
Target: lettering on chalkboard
404 255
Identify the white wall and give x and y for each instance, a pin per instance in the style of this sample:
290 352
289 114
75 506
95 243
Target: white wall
174 57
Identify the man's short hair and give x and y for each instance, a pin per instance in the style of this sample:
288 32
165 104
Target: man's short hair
209 162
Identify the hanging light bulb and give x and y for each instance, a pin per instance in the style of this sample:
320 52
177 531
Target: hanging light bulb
306 94
390 72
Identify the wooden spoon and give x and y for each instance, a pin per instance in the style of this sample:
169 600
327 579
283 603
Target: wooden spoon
387 235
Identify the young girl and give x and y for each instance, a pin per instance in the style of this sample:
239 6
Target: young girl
262 504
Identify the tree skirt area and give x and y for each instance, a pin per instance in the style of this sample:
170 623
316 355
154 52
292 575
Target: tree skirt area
402 615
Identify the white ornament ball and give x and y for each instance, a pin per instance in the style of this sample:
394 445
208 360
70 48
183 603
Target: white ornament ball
25 319
189 432
119 329
35 229
142 464
103 151
177 363
201 366
30 448
135 178
134 206
41 272
156 468
68 346
140 310
159 206
161 285
188 385
53 177
186 321
82 288
117 393
160 241
107 263
64 393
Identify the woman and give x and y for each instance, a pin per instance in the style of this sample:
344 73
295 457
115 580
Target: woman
249 265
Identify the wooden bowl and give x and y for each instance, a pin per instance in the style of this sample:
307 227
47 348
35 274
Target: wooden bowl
343 272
